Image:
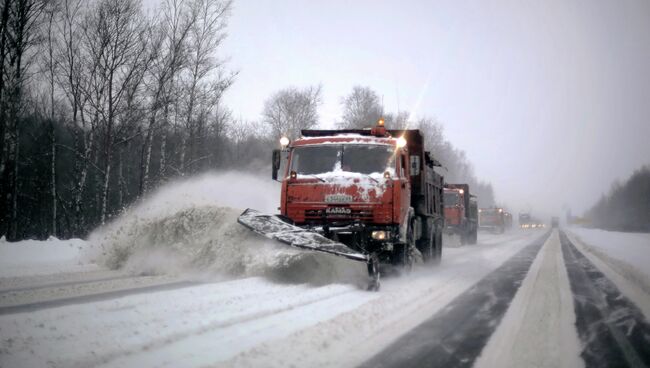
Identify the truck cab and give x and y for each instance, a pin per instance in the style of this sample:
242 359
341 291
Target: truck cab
492 219
373 190
461 212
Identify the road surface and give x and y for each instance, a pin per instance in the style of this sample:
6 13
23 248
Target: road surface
524 298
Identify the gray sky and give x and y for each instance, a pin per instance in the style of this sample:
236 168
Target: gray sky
550 99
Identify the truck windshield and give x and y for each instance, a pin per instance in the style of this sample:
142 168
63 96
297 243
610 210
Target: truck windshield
355 158
451 199
490 211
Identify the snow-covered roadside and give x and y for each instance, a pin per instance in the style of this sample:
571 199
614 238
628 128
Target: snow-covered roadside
36 257
253 320
631 248
537 330
632 282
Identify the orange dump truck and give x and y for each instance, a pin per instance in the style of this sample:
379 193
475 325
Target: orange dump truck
370 195
492 219
461 213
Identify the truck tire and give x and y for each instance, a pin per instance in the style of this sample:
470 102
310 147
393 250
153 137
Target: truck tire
425 243
437 244
464 237
408 258
474 236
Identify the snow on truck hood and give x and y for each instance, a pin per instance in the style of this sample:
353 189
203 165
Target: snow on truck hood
345 179
345 139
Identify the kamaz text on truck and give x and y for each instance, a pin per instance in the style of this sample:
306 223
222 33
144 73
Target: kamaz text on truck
461 213
370 195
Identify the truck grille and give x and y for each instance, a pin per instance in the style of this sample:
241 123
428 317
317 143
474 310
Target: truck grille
356 214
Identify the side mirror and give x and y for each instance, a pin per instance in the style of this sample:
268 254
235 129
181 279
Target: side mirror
275 161
415 165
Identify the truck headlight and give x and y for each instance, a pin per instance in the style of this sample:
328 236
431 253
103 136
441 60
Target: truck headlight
379 235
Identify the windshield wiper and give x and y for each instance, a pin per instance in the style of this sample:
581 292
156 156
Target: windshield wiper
370 177
317 177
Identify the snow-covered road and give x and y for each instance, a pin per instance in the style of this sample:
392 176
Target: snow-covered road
524 298
247 321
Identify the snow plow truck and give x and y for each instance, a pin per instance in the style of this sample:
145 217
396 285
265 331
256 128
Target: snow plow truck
492 219
370 195
461 213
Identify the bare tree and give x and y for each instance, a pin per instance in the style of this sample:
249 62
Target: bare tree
50 70
111 83
207 79
361 108
238 132
290 110
73 79
169 47
115 36
19 36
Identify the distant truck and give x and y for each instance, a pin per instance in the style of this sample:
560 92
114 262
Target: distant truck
555 222
365 194
492 219
508 219
524 220
461 213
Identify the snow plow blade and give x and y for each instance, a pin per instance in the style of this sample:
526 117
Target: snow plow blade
272 227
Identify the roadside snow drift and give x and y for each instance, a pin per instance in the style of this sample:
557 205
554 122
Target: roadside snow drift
631 248
42 257
191 227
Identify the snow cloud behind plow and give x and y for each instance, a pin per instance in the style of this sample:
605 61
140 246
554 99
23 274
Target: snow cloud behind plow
190 228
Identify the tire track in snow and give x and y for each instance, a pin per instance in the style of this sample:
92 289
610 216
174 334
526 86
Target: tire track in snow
221 339
63 283
95 297
455 336
612 329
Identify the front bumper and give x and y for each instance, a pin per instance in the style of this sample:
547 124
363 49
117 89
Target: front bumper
358 236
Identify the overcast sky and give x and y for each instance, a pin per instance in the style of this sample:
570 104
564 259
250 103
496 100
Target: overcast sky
550 99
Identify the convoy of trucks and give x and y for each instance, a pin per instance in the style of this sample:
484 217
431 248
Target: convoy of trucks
461 213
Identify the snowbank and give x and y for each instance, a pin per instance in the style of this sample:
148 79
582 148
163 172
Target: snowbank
191 227
43 257
631 248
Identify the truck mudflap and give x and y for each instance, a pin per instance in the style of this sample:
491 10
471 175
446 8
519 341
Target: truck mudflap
272 227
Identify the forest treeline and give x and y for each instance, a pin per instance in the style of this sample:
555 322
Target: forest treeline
101 102
627 205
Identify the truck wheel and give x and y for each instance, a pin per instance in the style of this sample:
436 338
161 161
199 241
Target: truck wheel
437 245
474 236
408 255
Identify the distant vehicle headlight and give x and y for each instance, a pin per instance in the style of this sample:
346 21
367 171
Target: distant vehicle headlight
379 235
